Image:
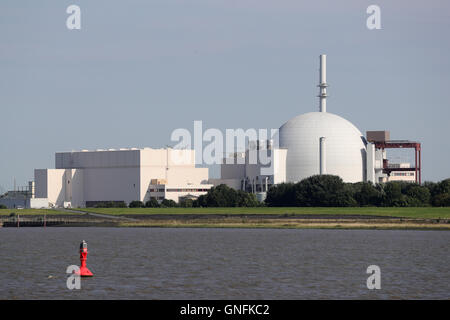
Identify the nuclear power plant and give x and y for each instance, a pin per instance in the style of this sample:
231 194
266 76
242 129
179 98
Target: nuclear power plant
313 143
320 143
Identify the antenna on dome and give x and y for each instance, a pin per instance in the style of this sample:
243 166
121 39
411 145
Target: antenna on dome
323 83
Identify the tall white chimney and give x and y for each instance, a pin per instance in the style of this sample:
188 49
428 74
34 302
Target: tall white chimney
323 83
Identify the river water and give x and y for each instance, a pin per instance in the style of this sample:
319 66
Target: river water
152 263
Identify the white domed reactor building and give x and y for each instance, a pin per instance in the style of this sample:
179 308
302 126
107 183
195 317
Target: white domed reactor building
318 143
308 144
323 143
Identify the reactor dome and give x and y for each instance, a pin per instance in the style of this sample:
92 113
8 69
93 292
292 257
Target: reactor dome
343 149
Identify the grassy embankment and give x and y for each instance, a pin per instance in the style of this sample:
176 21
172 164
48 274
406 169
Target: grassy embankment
410 212
265 217
425 218
34 212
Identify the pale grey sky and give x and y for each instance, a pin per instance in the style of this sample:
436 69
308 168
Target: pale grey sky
137 70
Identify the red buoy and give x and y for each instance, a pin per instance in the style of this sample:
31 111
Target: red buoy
84 271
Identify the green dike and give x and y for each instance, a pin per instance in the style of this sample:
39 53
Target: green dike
34 212
409 212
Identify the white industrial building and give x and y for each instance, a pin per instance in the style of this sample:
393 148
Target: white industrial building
240 173
323 143
402 176
85 178
317 143
308 144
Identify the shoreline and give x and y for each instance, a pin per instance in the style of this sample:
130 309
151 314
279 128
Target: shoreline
269 221
314 222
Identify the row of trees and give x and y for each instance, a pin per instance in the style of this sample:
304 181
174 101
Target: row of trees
111 204
331 191
153 203
224 196
220 196
317 191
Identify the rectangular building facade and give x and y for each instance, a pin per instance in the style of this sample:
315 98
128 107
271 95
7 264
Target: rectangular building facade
125 175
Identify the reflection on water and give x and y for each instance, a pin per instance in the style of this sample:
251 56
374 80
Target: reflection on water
143 263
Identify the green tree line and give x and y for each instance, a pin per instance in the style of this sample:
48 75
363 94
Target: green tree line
317 191
220 196
331 191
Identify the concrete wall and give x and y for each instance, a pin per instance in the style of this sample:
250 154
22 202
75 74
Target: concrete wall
56 182
408 176
114 175
176 176
181 168
403 176
370 163
232 171
51 184
80 185
77 188
164 157
146 157
174 192
280 166
14 203
97 159
373 136
111 184
146 174
40 182
379 175
232 183
186 175
37 203
175 196
255 174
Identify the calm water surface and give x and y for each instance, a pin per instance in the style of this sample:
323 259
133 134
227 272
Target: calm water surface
144 263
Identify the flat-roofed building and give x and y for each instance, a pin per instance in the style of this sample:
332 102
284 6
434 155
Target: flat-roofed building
86 178
408 176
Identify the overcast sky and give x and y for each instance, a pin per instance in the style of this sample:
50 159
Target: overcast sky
137 70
